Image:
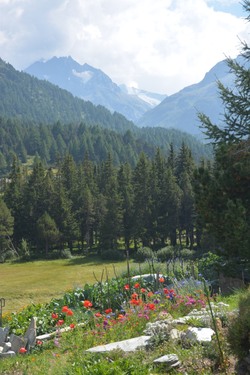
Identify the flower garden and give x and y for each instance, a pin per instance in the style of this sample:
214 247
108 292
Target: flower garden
117 310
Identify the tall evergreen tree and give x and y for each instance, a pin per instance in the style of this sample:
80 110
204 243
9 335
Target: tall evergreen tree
47 231
126 193
13 196
6 231
227 206
110 229
142 202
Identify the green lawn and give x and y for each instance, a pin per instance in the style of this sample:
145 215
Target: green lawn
33 282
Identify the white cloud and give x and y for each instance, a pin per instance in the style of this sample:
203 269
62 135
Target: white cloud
160 45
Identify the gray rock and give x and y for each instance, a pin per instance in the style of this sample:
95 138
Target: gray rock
6 347
3 334
10 353
30 334
1 349
170 360
126 345
17 342
199 334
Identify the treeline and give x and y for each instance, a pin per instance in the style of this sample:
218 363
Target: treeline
51 142
99 204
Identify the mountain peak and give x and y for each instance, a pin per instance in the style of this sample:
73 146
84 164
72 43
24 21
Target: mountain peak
93 85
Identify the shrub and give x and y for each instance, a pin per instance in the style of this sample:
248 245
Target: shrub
145 254
65 254
239 330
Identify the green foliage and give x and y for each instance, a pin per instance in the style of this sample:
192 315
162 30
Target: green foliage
239 328
209 266
145 254
165 254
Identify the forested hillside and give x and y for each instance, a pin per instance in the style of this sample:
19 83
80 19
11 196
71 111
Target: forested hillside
50 142
28 98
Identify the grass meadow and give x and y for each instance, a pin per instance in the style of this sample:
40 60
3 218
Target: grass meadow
25 283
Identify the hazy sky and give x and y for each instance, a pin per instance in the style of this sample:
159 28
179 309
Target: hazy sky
156 45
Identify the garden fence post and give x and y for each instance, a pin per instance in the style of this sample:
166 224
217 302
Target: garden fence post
2 304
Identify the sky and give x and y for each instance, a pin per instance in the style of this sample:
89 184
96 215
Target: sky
156 45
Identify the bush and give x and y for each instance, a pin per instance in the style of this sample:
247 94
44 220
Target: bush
145 254
65 254
239 329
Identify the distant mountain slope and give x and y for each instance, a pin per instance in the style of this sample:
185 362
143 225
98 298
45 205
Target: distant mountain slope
180 110
151 98
28 98
29 105
92 84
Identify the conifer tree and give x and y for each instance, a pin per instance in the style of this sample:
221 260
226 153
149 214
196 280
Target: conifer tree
226 207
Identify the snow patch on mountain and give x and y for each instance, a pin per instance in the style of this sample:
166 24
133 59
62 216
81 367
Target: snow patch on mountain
153 99
84 76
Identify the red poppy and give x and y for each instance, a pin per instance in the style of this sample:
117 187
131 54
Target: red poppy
65 308
87 304
60 322
137 285
54 315
150 294
98 315
143 290
126 287
69 312
22 350
134 296
135 302
39 342
72 326
151 306
108 311
120 317
161 279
